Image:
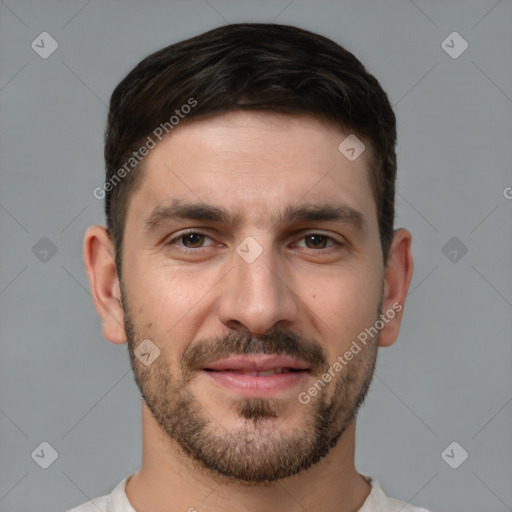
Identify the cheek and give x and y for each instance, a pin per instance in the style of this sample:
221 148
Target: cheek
163 291
342 305
170 302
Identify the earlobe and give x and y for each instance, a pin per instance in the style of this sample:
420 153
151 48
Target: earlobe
99 259
397 279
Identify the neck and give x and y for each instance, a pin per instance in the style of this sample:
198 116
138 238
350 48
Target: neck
170 481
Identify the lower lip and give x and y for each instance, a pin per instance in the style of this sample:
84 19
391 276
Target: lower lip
255 386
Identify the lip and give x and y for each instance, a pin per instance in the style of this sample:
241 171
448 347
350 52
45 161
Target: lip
257 363
226 373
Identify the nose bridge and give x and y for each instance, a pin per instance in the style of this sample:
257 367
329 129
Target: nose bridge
256 294
259 277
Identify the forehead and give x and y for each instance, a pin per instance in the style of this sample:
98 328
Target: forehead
254 164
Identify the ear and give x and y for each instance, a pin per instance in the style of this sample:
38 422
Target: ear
99 259
398 274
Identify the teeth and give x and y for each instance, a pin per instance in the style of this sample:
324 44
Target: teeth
266 373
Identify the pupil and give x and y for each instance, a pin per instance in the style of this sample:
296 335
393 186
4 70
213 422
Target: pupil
317 240
193 239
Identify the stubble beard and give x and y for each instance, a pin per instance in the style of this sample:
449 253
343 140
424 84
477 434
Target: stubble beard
257 452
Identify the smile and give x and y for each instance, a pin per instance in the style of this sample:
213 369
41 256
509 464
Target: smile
257 375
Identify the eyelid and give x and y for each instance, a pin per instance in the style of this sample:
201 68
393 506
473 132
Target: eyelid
302 235
319 233
180 234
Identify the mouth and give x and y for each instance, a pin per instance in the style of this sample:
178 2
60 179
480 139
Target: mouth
257 375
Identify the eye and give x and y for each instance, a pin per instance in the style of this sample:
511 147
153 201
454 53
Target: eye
190 240
319 241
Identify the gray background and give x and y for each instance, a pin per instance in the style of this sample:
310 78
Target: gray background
448 378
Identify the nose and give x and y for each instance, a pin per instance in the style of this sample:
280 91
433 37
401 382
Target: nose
258 295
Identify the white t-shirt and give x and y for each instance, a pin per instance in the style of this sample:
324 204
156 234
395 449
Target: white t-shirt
117 501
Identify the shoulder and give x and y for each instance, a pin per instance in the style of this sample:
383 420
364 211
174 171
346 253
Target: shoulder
97 505
378 501
399 505
116 501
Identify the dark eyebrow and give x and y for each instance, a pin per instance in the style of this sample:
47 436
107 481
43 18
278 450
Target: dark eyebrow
316 212
179 209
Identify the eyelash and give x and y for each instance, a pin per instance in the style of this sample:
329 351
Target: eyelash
183 234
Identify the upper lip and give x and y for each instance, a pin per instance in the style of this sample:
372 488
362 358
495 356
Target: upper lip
257 363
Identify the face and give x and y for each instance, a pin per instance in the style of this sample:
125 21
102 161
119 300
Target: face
252 261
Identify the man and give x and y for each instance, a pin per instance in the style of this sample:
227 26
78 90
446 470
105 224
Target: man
251 264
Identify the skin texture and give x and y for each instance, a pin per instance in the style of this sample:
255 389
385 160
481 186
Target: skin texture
316 285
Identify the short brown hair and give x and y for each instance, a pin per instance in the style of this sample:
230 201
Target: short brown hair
248 66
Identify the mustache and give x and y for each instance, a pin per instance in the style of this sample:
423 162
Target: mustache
205 352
